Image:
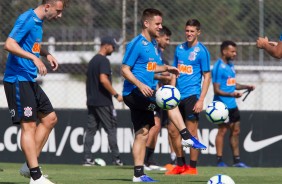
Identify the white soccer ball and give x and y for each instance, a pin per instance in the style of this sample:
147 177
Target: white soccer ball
220 179
100 162
167 97
217 112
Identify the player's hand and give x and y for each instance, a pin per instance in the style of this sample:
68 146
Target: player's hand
261 42
146 90
198 106
119 98
273 43
42 70
53 62
251 87
236 94
173 70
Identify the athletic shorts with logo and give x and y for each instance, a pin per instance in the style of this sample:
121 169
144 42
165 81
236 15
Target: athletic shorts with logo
186 108
25 99
141 109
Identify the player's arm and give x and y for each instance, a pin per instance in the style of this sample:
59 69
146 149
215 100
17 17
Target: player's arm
205 86
13 47
241 86
274 51
105 81
217 91
50 58
128 75
167 68
163 78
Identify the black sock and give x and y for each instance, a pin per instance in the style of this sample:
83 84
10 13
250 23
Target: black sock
180 161
219 159
185 134
138 171
35 173
236 159
149 155
193 163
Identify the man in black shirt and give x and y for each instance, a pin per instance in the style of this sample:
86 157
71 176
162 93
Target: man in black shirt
99 91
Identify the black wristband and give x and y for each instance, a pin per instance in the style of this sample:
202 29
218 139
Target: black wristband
116 95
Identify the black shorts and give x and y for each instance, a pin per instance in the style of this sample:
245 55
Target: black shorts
25 100
233 116
141 109
186 108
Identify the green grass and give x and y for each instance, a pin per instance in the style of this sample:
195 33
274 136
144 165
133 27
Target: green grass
76 174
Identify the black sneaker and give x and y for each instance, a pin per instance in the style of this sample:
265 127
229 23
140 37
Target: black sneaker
118 162
89 162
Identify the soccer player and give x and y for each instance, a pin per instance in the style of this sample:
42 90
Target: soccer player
160 115
138 68
274 49
26 100
224 85
193 60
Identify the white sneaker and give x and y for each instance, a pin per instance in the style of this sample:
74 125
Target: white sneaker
24 171
41 180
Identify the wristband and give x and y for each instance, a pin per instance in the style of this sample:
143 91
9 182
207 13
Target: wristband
116 95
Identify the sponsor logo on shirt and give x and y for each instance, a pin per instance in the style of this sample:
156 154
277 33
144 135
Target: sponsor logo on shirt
145 43
231 81
151 66
187 69
36 47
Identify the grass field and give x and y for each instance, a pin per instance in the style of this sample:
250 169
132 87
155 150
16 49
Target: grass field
76 174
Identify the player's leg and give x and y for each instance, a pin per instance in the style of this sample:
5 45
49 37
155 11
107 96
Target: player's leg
91 129
177 147
47 123
234 138
143 120
192 126
150 163
108 117
47 118
219 143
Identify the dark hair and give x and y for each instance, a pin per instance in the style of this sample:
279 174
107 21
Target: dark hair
65 2
225 44
194 22
165 31
149 13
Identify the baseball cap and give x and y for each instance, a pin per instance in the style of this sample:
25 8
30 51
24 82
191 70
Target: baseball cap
109 40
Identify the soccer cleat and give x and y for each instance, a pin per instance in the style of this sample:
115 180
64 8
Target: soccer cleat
41 180
241 164
118 162
24 171
194 143
169 167
153 166
89 162
221 164
176 170
143 178
191 171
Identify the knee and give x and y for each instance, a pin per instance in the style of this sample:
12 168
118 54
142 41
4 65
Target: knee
236 132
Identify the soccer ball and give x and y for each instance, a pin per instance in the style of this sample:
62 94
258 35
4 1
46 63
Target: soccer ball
100 162
167 97
220 179
217 112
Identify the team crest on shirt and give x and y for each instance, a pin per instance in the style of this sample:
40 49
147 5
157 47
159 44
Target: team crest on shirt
144 42
27 111
192 56
12 112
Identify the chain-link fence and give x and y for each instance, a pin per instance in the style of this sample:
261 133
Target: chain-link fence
74 40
